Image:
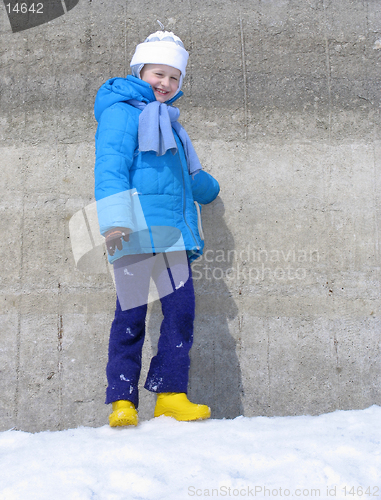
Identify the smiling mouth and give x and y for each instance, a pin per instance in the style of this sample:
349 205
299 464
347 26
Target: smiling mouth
160 91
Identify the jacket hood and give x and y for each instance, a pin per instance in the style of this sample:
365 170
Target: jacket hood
123 89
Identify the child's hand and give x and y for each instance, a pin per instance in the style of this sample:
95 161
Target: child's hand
114 238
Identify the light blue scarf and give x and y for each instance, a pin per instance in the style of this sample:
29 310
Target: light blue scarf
155 132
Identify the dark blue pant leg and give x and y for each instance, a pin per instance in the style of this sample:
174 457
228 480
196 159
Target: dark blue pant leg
169 369
125 354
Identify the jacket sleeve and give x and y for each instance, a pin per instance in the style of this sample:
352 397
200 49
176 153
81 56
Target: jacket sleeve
116 141
205 188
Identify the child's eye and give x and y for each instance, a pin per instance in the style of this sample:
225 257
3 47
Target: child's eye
174 78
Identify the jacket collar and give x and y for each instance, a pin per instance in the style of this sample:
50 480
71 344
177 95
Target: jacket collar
123 89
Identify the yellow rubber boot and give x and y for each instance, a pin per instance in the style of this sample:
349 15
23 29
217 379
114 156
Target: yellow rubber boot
178 406
124 413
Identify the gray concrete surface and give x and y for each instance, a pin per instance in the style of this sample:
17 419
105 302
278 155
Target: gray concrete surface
282 100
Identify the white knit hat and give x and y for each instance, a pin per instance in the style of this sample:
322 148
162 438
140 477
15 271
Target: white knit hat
162 47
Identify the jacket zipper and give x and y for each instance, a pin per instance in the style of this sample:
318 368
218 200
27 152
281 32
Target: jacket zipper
199 221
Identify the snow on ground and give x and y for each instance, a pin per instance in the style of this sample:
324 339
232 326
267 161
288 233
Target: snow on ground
336 455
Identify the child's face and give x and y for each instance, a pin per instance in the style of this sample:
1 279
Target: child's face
163 79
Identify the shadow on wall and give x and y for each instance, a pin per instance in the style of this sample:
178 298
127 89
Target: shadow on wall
215 376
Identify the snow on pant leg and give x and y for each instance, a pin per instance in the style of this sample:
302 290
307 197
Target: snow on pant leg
169 369
132 276
125 354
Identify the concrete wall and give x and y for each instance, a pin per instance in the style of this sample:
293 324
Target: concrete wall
282 101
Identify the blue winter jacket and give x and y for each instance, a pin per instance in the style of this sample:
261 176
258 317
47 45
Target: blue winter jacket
154 196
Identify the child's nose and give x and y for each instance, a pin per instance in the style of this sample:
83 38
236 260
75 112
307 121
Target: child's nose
165 81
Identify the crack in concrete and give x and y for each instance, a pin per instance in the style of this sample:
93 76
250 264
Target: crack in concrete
244 74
